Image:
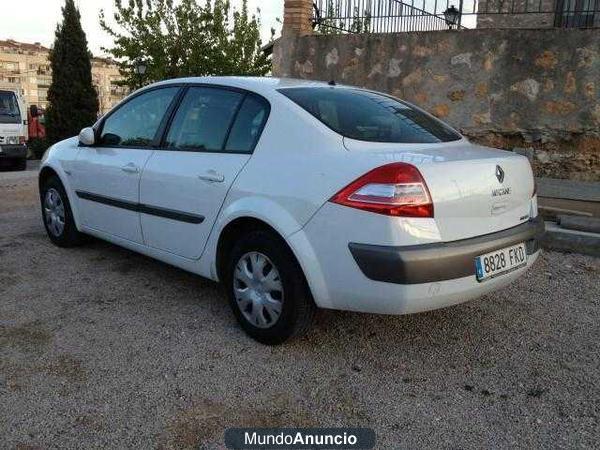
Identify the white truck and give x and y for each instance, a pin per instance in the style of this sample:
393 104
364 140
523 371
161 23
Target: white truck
13 130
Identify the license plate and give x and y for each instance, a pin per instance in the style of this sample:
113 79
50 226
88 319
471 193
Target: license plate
500 262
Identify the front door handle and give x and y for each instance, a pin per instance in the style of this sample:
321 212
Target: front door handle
212 176
130 168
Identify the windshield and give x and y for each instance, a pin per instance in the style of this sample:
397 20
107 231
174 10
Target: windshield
9 108
368 116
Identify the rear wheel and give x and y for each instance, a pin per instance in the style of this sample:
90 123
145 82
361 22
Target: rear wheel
57 214
267 290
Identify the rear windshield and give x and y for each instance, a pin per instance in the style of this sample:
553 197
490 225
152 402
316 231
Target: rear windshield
9 108
368 116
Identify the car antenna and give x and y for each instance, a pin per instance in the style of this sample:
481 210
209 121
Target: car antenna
332 83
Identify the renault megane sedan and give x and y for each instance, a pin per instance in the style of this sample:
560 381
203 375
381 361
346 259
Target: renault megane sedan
297 195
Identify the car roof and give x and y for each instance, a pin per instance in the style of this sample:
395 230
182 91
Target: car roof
260 85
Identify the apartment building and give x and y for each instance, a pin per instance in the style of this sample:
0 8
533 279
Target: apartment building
26 69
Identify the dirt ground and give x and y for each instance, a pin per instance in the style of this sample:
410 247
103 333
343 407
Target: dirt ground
100 347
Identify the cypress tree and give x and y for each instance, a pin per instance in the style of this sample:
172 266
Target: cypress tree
73 101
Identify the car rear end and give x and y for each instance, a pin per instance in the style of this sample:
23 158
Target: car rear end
426 219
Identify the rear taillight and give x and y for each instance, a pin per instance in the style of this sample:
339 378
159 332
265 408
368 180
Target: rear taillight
396 189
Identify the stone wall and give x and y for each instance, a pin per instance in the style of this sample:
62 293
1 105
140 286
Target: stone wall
532 89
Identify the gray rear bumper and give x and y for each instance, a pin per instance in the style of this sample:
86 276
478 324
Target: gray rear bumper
440 261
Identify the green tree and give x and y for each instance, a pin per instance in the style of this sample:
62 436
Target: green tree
184 38
72 98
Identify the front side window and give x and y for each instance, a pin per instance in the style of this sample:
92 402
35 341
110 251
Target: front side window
203 119
136 122
9 108
368 116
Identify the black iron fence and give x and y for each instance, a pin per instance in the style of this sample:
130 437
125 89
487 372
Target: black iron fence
391 16
374 16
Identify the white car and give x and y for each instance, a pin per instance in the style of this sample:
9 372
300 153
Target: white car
297 195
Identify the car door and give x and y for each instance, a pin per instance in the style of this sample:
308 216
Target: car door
210 139
107 175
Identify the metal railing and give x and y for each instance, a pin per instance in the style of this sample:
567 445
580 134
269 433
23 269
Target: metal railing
577 13
391 16
374 16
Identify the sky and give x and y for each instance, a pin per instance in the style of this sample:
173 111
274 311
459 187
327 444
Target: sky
35 20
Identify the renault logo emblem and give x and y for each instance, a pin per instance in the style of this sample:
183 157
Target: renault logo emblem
500 174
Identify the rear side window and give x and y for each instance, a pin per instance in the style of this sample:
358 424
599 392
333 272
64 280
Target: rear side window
9 108
248 125
368 116
203 119
136 122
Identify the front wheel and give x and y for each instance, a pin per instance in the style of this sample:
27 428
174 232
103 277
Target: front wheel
57 214
21 164
267 290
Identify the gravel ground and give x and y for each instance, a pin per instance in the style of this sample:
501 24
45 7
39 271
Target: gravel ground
100 347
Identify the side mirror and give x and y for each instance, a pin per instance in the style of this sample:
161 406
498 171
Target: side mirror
87 136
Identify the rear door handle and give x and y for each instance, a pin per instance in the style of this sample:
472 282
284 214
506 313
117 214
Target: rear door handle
130 168
212 176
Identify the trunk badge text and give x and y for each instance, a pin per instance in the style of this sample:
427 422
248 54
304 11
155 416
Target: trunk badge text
502 191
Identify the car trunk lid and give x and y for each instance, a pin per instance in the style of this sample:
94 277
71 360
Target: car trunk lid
475 190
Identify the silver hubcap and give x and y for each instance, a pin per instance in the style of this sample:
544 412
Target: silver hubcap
258 290
54 212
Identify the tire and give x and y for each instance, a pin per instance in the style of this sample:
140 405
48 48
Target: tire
52 195
21 164
296 306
